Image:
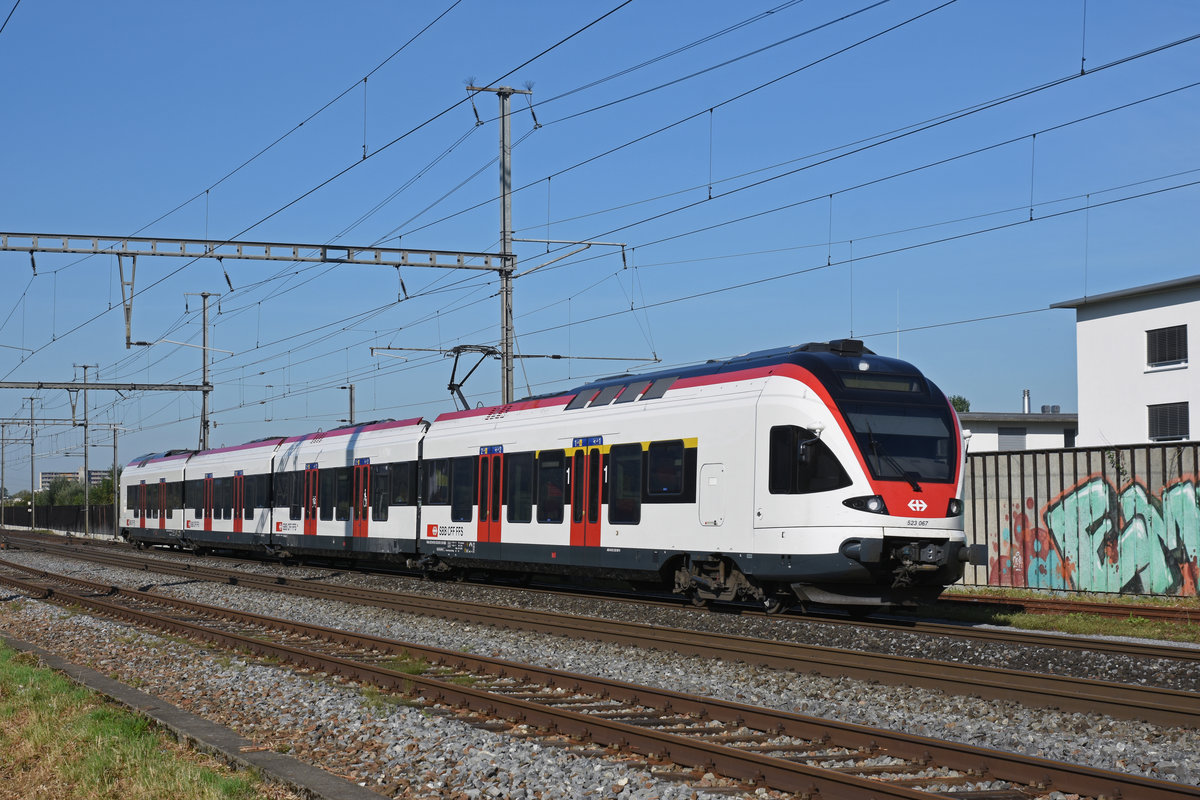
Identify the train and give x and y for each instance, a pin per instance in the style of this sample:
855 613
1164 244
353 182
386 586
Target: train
821 473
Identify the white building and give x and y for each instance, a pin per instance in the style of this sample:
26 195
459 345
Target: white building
989 432
1135 383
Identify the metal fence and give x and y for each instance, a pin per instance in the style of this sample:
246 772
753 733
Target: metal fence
1121 519
61 518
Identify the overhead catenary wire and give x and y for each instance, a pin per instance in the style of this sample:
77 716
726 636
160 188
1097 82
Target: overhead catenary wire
374 154
1040 202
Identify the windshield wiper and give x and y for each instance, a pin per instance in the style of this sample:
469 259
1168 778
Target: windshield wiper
878 451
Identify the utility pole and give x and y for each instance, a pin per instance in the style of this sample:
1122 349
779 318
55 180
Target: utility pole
204 378
87 475
3 461
509 261
116 487
32 483
205 386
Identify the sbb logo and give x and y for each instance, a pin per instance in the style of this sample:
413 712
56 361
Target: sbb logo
431 531
916 504
279 527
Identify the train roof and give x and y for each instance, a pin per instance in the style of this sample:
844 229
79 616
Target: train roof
821 358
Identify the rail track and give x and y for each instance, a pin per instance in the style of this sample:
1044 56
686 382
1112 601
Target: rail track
126 557
1160 706
759 747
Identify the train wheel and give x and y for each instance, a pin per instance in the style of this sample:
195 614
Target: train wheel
698 601
774 604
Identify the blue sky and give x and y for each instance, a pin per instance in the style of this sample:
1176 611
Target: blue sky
824 220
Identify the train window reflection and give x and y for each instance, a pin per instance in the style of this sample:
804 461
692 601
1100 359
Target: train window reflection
801 463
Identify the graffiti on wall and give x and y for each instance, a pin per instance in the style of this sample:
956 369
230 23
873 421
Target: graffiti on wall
1096 538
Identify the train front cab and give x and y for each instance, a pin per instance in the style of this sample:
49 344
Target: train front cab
858 484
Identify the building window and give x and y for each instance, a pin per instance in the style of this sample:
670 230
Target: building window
1168 421
1166 346
1011 438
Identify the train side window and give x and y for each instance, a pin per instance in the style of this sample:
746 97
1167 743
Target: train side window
462 488
249 496
131 500
288 488
625 484
437 482
342 490
800 463
152 500
551 486
193 491
222 498
664 469
518 486
264 491
174 497
404 483
325 488
381 491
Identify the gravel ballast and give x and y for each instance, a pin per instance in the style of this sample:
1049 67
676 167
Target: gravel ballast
1087 739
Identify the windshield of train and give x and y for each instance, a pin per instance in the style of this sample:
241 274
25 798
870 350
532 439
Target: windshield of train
904 442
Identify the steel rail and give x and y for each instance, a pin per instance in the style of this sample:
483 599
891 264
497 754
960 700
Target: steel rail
1160 706
776 772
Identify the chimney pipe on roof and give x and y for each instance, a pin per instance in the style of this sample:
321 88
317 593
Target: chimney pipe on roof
1024 401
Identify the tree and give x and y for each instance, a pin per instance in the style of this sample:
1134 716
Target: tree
961 404
102 495
62 492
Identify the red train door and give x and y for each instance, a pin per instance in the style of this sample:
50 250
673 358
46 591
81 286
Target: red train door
362 495
162 504
239 500
208 501
142 504
310 499
587 472
490 487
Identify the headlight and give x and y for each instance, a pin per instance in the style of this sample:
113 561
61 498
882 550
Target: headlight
873 503
954 508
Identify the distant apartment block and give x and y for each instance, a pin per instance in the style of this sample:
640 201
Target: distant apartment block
95 477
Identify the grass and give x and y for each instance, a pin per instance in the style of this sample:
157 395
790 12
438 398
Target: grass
405 663
60 741
1082 624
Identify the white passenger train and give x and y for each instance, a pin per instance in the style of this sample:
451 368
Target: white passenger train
823 473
